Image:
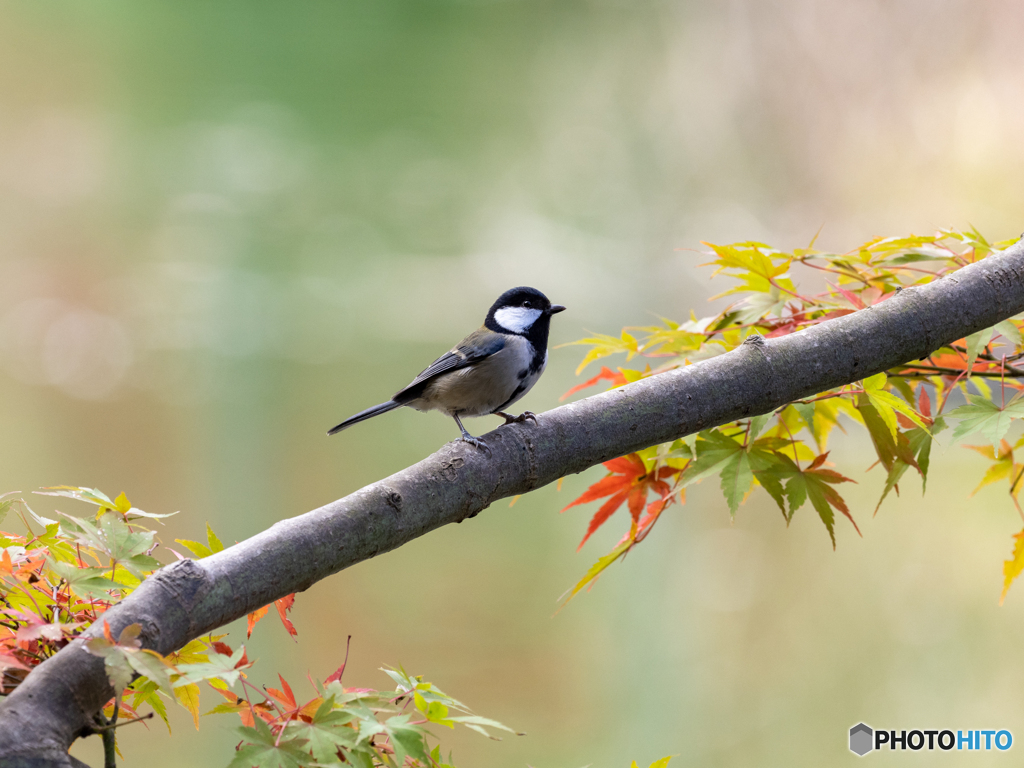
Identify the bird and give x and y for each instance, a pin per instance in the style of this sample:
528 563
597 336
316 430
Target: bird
486 372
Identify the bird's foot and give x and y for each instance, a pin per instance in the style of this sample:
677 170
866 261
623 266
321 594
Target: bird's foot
476 442
521 418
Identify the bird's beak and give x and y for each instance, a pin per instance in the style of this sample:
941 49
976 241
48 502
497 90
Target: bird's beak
555 309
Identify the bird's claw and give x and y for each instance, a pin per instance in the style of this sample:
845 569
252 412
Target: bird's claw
520 419
476 442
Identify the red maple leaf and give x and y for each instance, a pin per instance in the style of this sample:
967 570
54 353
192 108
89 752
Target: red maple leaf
615 377
283 605
629 482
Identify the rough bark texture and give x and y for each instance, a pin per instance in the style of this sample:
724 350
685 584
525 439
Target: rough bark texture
56 703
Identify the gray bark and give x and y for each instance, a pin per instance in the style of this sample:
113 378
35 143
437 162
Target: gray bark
57 702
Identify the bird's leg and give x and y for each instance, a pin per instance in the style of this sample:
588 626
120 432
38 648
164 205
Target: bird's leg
468 438
510 419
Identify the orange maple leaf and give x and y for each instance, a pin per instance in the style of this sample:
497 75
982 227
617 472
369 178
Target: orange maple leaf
283 605
616 378
629 482
286 698
255 616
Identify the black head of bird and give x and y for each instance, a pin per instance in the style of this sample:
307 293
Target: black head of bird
487 371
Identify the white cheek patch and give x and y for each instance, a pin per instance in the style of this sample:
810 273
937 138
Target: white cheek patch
516 319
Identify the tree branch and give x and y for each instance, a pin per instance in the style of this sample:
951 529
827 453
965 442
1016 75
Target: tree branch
57 702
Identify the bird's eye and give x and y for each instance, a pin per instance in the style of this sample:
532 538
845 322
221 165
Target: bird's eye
527 304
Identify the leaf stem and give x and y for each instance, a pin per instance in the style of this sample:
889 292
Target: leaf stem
1013 492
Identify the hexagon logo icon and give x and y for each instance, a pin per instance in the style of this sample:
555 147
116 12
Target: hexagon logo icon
861 739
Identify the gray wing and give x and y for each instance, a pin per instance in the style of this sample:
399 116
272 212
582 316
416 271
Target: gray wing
476 347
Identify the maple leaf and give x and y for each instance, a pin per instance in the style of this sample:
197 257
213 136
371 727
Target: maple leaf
264 750
719 454
145 691
234 703
950 358
1003 466
255 616
37 628
986 417
120 504
220 666
7 661
337 674
88 582
629 482
924 403
325 732
976 344
855 301
890 446
213 544
603 346
284 697
596 569
888 405
814 484
125 657
1012 568
188 697
1008 330
617 379
283 605
913 449
753 264
656 764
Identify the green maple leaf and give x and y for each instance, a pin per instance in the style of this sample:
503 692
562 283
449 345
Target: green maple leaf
101 500
919 445
769 468
891 447
115 662
1009 331
719 454
976 344
112 536
328 730
814 484
987 417
407 739
712 450
262 752
87 582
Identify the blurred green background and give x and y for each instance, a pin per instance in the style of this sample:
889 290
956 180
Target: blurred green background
226 226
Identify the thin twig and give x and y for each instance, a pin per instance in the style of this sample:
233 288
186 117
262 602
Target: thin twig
111 726
109 737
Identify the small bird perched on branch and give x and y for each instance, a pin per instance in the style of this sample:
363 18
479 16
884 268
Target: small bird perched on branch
487 371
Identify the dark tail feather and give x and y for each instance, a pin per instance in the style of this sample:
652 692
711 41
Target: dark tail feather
369 413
